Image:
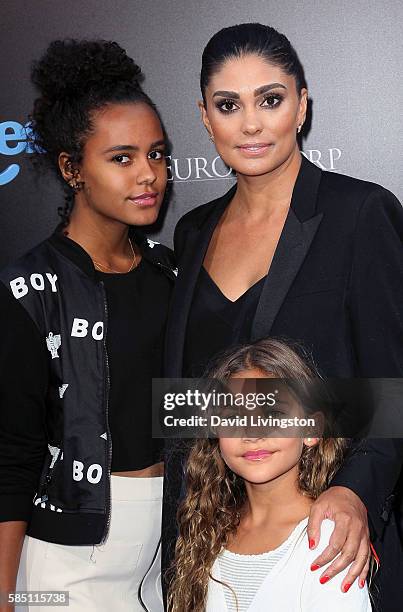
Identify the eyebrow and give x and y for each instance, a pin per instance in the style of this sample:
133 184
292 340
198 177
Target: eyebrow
128 147
258 92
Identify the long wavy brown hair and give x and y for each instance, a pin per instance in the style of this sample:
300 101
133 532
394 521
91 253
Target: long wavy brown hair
215 496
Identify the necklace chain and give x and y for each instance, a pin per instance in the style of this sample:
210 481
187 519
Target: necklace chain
98 265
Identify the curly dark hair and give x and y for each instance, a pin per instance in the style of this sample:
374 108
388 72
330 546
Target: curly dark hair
74 79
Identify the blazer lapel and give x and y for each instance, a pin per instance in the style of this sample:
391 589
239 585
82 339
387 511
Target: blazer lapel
291 250
299 230
297 235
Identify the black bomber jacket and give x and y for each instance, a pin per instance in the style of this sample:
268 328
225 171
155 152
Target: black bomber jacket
67 303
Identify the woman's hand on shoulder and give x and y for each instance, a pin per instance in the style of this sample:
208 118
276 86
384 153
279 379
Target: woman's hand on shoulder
349 544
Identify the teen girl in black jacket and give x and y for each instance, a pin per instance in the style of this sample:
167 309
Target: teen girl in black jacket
85 314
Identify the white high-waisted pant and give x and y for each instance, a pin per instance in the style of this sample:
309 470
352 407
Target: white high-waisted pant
104 577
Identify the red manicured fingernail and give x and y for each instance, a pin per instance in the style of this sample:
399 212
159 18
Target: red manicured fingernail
346 587
311 543
361 584
324 579
314 567
374 553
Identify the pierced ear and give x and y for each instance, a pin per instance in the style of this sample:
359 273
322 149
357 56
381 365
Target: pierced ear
70 173
303 104
68 170
311 441
204 117
315 432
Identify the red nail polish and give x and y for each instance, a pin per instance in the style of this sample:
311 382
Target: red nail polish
314 567
361 584
346 587
324 579
311 543
374 553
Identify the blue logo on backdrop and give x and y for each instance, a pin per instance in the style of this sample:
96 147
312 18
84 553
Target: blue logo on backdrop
13 141
16 139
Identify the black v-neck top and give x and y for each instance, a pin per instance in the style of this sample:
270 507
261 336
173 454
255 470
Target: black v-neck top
216 323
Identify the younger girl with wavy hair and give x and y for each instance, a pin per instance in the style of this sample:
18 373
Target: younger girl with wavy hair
242 523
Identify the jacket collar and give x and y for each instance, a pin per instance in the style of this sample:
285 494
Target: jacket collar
299 231
303 201
296 238
154 252
305 192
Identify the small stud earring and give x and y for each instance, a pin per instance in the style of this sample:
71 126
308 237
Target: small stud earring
299 128
211 137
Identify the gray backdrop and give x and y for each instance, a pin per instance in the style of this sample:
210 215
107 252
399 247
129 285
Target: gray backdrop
351 51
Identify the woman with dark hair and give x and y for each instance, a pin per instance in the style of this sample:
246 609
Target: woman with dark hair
86 310
292 251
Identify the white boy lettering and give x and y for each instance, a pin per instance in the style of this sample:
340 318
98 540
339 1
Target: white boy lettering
37 282
53 342
78 467
78 472
19 287
80 329
52 278
94 479
98 331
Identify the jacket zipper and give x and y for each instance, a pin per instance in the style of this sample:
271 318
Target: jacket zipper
167 269
108 433
43 489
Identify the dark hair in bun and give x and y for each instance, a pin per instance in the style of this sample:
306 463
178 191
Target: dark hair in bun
250 38
75 78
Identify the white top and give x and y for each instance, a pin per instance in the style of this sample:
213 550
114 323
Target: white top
246 573
289 585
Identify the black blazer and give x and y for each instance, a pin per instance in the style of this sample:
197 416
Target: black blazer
336 285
